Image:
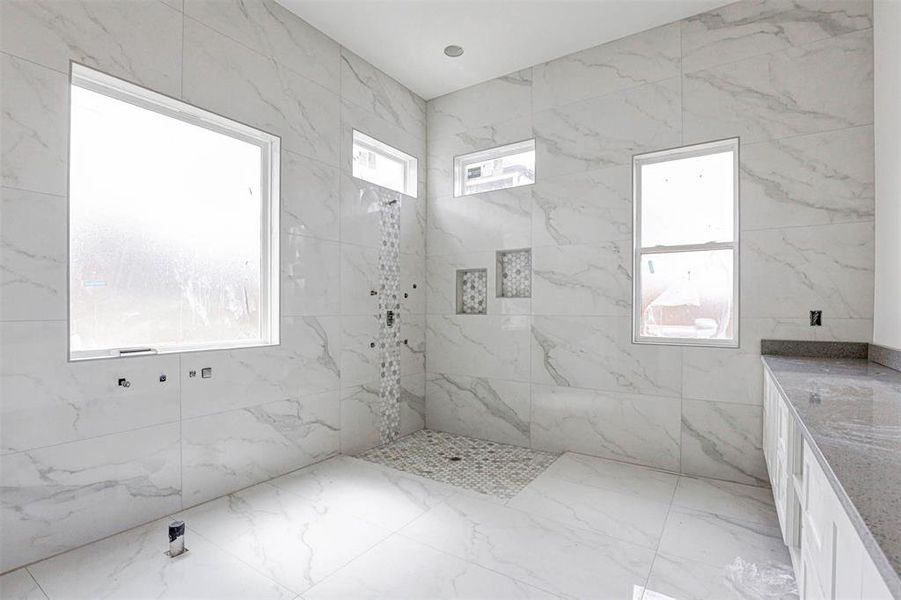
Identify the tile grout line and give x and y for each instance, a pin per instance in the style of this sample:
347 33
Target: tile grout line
660 539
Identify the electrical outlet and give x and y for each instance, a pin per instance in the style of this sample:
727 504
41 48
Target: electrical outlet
816 318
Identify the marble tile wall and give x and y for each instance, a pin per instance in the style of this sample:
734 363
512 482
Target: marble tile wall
793 79
80 457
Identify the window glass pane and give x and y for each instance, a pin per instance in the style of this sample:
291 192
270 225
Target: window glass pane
165 230
687 200
687 295
495 169
379 163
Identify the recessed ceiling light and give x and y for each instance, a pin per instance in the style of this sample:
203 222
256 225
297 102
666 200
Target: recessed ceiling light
454 51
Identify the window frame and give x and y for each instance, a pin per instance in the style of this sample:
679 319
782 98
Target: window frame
83 76
461 161
694 150
409 162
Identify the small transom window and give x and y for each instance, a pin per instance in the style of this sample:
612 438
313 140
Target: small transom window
498 168
383 165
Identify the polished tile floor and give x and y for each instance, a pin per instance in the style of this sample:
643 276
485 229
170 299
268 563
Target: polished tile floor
346 528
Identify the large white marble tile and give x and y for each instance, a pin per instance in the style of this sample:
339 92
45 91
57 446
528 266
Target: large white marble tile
228 451
744 29
825 267
722 440
411 284
291 540
645 57
582 208
380 495
572 562
498 220
412 403
674 578
443 149
274 31
724 374
47 400
630 427
20 585
33 256
627 517
598 353
381 95
311 270
310 197
746 502
582 279
650 484
496 100
809 180
361 216
360 418
33 124
490 409
607 131
360 354
361 413
822 86
719 540
441 284
223 76
63 496
359 278
306 361
427 573
412 349
138 41
134 565
479 345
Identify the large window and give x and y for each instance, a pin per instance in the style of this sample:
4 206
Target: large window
686 245
498 168
383 165
173 225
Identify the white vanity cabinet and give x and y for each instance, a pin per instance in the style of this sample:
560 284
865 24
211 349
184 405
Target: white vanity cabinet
830 560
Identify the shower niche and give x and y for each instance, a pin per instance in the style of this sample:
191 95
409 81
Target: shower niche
472 291
514 273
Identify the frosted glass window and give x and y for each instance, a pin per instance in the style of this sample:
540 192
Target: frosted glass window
173 225
379 163
686 245
498 168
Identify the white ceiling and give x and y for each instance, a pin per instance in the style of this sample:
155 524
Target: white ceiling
406 38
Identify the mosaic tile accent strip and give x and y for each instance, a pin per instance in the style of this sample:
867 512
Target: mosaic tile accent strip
389 314
514 273
472 291
491 468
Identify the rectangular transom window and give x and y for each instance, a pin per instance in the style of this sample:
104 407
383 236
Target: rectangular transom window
498 168
379 163
173 224
686 245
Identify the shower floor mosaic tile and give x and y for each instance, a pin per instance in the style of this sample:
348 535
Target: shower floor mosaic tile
491 468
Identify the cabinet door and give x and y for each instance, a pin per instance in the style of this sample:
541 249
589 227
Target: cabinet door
847 556
872 585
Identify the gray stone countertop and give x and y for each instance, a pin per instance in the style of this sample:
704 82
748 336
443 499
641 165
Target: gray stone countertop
849 411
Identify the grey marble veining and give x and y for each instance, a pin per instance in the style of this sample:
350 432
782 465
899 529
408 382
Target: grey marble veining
849 411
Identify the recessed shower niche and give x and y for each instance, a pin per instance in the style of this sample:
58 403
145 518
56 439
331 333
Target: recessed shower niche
514 273
472 291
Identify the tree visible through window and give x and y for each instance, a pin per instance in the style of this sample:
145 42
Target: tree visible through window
686 245
173 224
